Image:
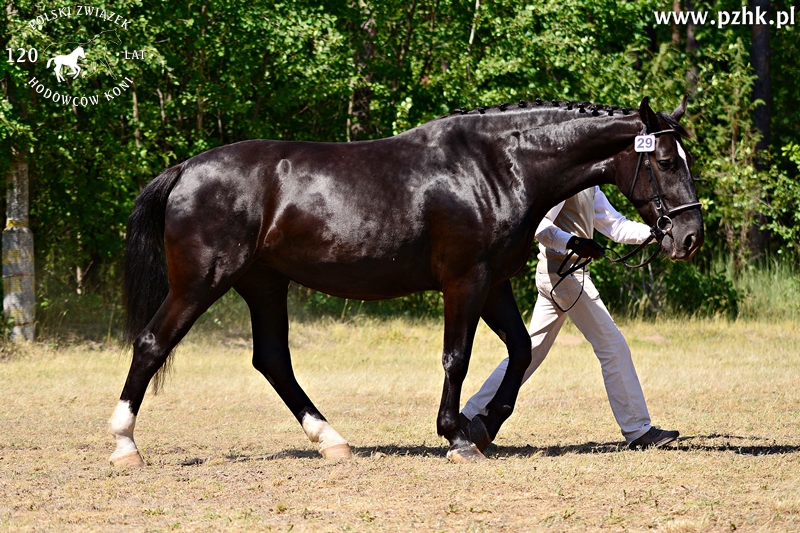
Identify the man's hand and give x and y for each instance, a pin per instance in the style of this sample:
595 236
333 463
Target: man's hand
585 247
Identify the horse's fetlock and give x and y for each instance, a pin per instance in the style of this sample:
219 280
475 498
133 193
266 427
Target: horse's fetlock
447 426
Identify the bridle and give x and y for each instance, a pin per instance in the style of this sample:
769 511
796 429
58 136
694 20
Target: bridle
662 226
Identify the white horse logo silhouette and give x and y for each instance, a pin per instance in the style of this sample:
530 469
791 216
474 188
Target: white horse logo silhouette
70 60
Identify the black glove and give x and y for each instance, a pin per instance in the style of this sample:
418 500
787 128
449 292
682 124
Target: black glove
585 247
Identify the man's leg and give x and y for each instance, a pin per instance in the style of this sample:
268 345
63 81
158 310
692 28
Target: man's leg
546 322
619 375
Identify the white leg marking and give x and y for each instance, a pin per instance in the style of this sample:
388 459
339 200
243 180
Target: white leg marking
322 432
121 424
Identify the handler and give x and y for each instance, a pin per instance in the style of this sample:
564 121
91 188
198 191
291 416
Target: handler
570 226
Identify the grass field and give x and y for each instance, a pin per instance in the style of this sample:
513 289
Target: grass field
224 454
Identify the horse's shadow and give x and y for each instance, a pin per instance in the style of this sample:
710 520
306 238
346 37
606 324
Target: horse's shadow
752 446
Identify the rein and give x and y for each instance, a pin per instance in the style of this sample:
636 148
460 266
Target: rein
662 226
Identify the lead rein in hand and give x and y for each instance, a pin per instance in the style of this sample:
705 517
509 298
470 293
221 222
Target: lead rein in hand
580 262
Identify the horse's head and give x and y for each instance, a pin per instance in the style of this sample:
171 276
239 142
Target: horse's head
80 51
660 183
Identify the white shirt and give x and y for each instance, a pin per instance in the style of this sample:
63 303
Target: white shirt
607 221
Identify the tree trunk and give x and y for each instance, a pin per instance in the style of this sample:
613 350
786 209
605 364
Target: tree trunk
137 133
472 35
758 237
692 45
676 32
19 297
358 116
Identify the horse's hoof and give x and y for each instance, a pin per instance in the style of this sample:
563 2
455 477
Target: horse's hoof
466 454
129 460
337 451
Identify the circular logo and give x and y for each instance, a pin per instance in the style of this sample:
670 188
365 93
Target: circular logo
78 55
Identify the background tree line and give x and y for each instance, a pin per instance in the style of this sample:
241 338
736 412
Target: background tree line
220 71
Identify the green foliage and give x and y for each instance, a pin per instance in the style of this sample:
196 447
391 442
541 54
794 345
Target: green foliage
69 317
782 203
726 146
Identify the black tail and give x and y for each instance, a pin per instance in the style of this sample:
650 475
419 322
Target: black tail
146 281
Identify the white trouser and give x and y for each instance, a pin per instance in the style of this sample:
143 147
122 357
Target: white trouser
591 317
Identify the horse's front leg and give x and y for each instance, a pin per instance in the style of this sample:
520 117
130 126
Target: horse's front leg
75 71
463 301
500 312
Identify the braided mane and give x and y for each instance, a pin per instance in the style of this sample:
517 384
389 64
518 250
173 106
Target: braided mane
567 105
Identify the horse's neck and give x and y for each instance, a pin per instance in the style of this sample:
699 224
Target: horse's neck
563 159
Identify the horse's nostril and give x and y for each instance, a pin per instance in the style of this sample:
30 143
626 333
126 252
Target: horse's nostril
689 241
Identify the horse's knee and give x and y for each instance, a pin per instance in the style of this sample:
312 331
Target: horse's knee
520 362
455 367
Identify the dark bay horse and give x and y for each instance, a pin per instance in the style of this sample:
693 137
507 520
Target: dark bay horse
451 205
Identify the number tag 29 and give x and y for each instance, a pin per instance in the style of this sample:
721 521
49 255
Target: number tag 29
644 143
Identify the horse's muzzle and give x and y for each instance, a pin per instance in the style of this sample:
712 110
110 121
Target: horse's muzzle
686 236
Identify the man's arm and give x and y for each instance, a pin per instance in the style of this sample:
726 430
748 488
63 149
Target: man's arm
614 225
551 236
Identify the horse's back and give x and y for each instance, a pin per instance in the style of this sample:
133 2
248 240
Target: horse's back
370 219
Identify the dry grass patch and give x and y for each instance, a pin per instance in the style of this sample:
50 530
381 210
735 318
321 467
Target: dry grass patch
225 454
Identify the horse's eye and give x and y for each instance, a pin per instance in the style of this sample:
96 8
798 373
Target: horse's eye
665 164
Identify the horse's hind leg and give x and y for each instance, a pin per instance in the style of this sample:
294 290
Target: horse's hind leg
265 292
151 350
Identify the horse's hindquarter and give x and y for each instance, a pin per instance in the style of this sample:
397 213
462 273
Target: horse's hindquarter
369 220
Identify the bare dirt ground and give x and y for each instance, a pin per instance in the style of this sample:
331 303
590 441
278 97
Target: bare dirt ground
224 454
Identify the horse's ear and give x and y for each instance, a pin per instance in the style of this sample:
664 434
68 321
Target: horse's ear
648 116
681 109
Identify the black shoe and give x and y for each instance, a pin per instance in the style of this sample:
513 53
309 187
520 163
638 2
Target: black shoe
475 431
655 437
